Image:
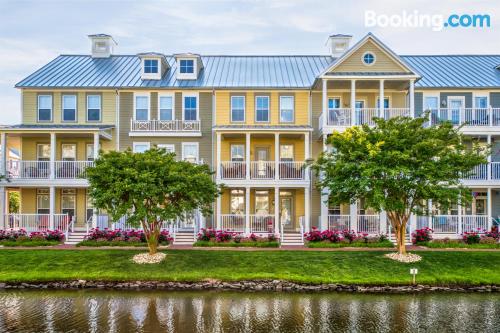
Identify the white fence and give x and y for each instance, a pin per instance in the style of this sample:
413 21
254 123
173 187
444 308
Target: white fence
262 223
233 222
37 222
339 222
71 169
262 169
369 224
164 125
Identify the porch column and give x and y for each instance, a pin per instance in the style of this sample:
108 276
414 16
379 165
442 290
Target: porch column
52 155
277 155
52 206
247 156
324 210
383 222
3 206
277 221
490 209
459 206
325 103
219 163
412 98
489 166
381 99
3 162
353 210
429 213
413 223
247 210
353 102
307 154
218 222
96 145
307 209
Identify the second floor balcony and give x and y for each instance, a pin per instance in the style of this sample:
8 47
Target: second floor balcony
264 170
155 127
22 169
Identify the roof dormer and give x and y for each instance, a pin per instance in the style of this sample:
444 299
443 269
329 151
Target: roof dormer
153 65
189 66
102 45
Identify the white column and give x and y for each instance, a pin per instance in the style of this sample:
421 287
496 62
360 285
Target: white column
52 155
277 221
353 210
459 217
96 145
307 154
277 155
353 102
307 209
3 143
324 209
490 209
218 222
412 98
3 207
52 206
325 102
247 210
429 212
383 222
489 166
381 99
219 162
247 156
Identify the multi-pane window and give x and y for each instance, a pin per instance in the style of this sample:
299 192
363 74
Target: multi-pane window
93 107
68 152
386 102
44 107
190 152
140 147
481 102
141 108
190 109
237 202
431 103
90 152
43 152
261 202
169 148
262 108
187 66
69 107
237 108
286 153
68 201
166 108
237 153
42 201
151 66
286 109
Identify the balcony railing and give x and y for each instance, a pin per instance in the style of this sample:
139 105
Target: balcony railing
21 169
467 116
71 169
343 116
262 223
263 170
292 170
164 125
233 170
37 222
489 171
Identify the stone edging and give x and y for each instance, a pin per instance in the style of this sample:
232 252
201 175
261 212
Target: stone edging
266 285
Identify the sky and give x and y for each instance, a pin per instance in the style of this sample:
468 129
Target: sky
33 32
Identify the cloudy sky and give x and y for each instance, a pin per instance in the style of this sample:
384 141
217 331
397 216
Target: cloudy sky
36 31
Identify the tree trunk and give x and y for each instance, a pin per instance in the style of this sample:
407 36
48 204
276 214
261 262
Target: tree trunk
402 239
399 226
152 233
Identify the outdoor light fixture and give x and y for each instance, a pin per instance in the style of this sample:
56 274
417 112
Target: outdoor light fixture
414 272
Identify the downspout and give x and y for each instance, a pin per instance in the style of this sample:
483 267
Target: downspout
117 119
214 204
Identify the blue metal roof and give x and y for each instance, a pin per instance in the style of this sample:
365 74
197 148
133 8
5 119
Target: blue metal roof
123 71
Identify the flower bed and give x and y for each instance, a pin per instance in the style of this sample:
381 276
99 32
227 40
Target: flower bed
106 237
345 238
220 238
479 239
20 237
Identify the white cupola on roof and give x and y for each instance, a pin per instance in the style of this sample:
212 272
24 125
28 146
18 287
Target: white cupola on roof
189 66
338 44
102 45
153 65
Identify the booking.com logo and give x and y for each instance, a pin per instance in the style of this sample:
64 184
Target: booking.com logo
436 22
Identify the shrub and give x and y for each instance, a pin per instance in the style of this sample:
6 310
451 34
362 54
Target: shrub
314 235
487 240
422 235
206 234
165 237
134 240
223 236
383 238
118 239
471 237
253 237
12 234
350 235
55 235
22 238
272 238
493 233
102 239
238 238
37 236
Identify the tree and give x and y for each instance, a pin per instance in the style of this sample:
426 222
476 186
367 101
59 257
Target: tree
397 165
14 202
150 188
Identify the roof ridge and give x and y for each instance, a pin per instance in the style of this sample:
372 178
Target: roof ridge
450 55
211 55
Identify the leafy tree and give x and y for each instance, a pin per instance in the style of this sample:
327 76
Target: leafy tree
149 188
14 202
397 165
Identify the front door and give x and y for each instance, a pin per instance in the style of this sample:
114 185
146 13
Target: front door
359 112
455 105
286 212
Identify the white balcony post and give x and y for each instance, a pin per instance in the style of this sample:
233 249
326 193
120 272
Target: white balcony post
381 99
490 115
353 102
307 209
383 222
276 155
247 210
307 154
3 143
325 103
96 145
459 230
247 156
429 213
52 155
490 208
277 221
412 98
219 162
3 206
489 166
52 206
324 209
353 212
218 223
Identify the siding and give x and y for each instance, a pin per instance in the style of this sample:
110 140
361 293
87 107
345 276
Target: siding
468 97
419 103
298 146
29 146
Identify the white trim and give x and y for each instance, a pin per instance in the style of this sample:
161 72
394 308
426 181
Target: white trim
147 95
282 130
363 58
231 151
62 108
480 94
385 97
293 109
51 108
134 144
328 97
192 94
197 144
165 134
449 98
244 109
268 109
151 76
87 108
166 94
187 76
38 150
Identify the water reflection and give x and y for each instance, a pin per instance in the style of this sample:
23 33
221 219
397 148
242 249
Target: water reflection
158 311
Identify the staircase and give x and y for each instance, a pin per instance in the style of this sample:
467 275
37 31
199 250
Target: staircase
407 239
75 237
292 239
184 238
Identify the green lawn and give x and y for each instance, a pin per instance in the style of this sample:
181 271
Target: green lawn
234 244
316 245
361 267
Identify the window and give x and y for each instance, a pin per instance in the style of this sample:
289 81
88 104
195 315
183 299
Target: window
43 152
166 111
190 151
150 66
334 103
261 202
93 107
187 66
68 152
237 202
237 153
69 107
237 108
42 201
142 108
170 148
90 152
431 103
140 147
190 108
286 153
68 201
286 109
481 102
89 207
386 102
44 107
262 108
368 58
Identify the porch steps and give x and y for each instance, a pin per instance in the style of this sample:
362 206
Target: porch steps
184 238
407 239
75 237
292 239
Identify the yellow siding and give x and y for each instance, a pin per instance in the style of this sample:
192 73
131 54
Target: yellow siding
29 146
28 201
396 99
298 144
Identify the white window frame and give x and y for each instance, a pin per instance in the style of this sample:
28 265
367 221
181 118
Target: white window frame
363 58
157 66
334 97
51 108
293 109
73 145
484 95
76 108
231 151
38 150
135 105
244 109
135 144
167 146
293 152
172 95
187 76
197 144
87 157
197 96
431 95
388 98
151 76
268 109
87 108
449 98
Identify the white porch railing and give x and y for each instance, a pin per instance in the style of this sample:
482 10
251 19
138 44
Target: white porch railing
480 172
365 116
396 112
342 116
369 224
71 169
164 125
475 223
262 224
469 116
233 222
495 170
339 117
446 224
233 170
339 222
37 222
262 169
292 170
28 169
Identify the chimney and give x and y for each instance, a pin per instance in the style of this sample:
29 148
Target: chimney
338 44
102 45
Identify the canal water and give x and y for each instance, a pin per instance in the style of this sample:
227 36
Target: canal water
206 311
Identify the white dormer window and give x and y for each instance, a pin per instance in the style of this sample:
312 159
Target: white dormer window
151 66
187 66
